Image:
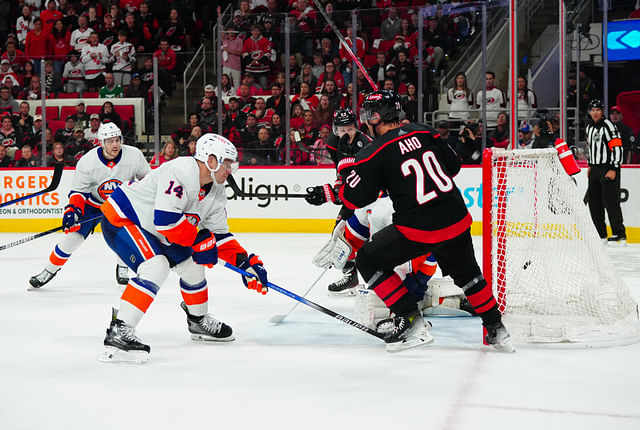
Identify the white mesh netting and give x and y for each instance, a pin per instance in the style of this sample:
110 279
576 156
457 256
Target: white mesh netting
551 274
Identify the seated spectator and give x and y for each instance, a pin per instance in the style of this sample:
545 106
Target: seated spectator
277 101
330 73
167 61
308 130
281 80
61 38
296 118
8 78
391 25
265 151
306 75
16 58
22 120
180 136
92 18
226 88
499 137
209 93
308 100
108 114
377 70
8 134
327 50
136 89
52 79
168 152
410 104
408 32
248 80
257 55
38 44
345 57
470 143
174 31
123 54
348 97
111 90
33 134
320 155
526 136
445 136
276 126
196 132
363 83
249 139
331 91
294 72
5 160
66 133
76 146
391 74
459 99
317 66
91 132
81 117
58 157
7 104
245 100
190 147
324 114
28 160
262 113
27 75
73 74
207 113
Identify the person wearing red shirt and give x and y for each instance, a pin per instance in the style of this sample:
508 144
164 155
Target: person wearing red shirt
60 41
257 55
167 60
307 100
306 19
331 73
49 16
38 44
15 56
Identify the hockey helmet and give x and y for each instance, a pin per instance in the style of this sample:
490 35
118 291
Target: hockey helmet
343 117
596 104
218 146
382 103
107 131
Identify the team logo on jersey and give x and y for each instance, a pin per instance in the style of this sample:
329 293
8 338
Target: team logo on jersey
491 100
256 55
194 219
107 187
460 96
8 141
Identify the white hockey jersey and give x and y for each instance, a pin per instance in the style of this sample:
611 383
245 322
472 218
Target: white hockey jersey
169 203
460 101
92 136
96 177
74 72
80 39
94 66
496 102
117 51
22 28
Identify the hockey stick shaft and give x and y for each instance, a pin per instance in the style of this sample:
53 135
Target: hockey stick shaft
55 181
311 304
344 43
236 189
41 234
279 320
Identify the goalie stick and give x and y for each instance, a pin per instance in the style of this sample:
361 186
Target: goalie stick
277 319
311 304
41 234
55 181
344 43
236 189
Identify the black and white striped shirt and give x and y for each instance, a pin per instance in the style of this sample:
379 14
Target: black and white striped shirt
604 143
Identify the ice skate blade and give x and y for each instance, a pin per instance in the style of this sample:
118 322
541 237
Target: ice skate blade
115 355
207 338
419 339
443 311
347 292
504 347
617 244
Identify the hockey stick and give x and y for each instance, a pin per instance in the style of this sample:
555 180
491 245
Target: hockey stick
346 46
234 186
55 181
277 319
311 304
44 233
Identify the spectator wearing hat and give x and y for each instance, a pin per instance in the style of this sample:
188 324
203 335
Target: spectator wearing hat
124 57
65 133
49 16
526 136
80 36
391 25
111 90
445 136
7 103
31 134
91 132
391 74
8 78
76 146
73 74
626 133
27 158
436 38
232 55
81 117
136 89
208 93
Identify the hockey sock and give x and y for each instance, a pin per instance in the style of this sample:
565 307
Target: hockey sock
195 297
395 295
481 298
135 300
63 250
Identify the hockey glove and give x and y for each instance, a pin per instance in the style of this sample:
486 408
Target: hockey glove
205 251
70 218
254 265
321 194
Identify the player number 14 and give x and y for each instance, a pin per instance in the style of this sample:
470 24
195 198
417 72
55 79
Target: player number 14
434 170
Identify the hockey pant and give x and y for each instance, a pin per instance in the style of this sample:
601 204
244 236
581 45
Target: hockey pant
152 260
605 194
389 248
72 241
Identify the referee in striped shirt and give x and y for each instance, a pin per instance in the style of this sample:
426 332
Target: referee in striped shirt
605 157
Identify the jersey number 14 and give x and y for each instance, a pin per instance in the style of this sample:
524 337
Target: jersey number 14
432 167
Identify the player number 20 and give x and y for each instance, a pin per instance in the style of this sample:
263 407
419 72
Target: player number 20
435 172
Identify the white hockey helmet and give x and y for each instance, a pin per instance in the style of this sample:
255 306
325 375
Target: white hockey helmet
218 146
108 130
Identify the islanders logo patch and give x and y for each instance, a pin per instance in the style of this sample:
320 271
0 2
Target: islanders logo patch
107 187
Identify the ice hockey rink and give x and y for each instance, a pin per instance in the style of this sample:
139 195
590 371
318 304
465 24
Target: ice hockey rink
310 372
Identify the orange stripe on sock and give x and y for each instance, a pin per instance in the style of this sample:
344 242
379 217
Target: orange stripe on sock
195 298
137 298
54 259
141 242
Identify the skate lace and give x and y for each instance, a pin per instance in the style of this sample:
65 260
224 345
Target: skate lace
345 279
210 324
399 327
128 333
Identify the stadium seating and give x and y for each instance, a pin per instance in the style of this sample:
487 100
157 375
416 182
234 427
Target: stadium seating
52 112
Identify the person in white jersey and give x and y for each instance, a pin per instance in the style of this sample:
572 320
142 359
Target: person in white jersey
98 173
496 101
460 100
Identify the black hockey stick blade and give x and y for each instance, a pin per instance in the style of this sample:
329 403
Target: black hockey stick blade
236 189
309 303
41 234
55 181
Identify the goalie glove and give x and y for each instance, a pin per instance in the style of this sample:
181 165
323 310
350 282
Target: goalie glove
259 282
336 252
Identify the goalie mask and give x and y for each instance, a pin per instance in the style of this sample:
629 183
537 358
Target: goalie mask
220 147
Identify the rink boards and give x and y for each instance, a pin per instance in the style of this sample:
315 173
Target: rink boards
277 215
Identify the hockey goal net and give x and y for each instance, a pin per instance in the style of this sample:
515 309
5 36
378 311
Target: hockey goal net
549 270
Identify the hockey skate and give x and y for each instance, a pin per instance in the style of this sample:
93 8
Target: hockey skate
404 332
122 274
41 279
123 346
498 337
345 286
206 328
617 241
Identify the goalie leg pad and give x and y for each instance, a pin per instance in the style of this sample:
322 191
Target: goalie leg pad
369 309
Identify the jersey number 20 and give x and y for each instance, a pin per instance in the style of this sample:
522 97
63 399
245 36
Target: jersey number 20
434 170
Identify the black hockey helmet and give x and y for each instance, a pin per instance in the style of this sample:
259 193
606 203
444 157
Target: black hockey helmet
596 104
384 103
344 117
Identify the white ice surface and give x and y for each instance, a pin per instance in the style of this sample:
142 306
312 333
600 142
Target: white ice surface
310 372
